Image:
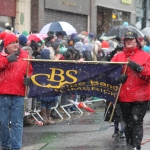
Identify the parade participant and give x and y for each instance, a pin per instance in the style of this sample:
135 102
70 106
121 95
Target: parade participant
134 93
12 91
117 116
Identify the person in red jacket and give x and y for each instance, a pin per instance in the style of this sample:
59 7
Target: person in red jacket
13 79
134 93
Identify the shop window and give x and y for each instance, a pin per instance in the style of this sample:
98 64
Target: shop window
139 3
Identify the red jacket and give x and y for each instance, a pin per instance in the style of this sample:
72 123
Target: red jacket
12 74
136 87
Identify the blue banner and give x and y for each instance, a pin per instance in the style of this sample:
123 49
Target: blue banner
56 78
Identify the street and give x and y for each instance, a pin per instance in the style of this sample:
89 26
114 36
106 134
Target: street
79 132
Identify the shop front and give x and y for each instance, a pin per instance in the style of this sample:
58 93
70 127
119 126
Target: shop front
112 14
7 13
139 14
74 12
142 14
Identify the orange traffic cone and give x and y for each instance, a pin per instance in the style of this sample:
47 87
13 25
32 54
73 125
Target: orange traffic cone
82 105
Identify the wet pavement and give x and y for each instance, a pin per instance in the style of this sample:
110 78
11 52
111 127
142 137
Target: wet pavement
80 132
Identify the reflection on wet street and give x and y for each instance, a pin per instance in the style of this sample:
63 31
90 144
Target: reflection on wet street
79 132
75 133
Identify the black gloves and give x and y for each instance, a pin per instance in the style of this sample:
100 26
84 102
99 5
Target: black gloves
27 81
13 57
134 66
122 78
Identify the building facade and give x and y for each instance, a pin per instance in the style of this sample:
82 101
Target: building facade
75 12
7 12
95 16
108 14
23 15
90 15
142 13
16 13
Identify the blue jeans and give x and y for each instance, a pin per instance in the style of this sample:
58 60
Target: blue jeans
116 126
48 103
0 133
11 110
75 100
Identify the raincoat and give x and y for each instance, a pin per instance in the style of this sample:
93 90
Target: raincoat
12 74
137 86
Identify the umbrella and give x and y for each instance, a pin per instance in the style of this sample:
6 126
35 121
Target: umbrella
33 37
139 24
41 36
120 31
37 37
59 26
106 38
146 31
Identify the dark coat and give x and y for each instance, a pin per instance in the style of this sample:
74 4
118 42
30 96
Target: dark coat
117 116
87 55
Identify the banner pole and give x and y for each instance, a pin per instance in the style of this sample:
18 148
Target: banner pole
105 116
26 87
114 106
75 61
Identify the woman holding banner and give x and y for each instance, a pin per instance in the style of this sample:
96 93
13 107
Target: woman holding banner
134 93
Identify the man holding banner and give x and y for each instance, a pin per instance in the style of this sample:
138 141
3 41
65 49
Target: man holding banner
134 93
13 70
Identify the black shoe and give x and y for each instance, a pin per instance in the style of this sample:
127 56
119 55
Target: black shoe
122 135
137 148
115 135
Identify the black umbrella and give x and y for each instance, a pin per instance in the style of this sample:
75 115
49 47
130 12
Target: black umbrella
120 31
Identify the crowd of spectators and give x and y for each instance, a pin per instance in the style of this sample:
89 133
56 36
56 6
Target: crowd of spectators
84 46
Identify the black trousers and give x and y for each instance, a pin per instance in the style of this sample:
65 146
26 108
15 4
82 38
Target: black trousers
133 114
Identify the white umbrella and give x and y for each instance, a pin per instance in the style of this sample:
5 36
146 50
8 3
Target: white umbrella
139 24
59 26
146 31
